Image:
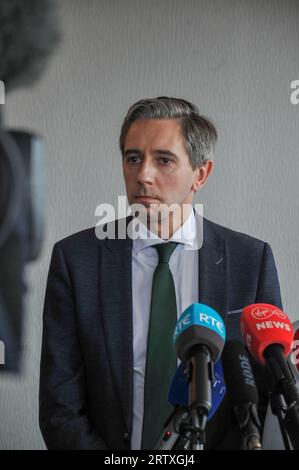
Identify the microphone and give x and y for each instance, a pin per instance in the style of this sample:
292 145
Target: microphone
242 392
199 339
268 334
28 36
265 326
295 348
178 397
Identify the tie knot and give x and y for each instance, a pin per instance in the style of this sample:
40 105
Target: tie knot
165 251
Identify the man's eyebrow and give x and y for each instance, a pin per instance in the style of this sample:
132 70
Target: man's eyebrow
164 152
129 151
167 153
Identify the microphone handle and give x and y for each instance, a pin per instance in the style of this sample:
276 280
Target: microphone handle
200 376
249 425
284 383
172 437
282 374
291 422
279 408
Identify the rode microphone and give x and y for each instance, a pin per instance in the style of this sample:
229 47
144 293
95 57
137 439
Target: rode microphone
199 339
268 334
242 393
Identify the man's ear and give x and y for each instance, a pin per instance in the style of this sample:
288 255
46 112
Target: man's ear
201 175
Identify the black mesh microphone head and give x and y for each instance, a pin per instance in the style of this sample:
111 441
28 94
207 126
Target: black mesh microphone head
196 335
238 375
28 36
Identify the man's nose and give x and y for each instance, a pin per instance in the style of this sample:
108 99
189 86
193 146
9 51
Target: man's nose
146 173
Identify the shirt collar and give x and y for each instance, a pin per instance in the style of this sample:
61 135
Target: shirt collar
185 235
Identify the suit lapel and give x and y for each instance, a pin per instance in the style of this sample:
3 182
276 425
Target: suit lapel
213 259
115 283
213 272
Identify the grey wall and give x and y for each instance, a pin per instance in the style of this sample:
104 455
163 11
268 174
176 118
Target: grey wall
235 59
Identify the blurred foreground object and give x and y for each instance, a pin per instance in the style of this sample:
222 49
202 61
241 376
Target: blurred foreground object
28 35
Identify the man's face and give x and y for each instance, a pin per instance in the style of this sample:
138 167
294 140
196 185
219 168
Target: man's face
156 165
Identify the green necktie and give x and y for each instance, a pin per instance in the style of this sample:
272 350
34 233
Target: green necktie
161 359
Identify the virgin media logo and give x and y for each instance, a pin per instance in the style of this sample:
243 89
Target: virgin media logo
263 313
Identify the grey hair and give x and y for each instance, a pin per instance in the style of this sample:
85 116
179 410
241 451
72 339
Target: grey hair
199 132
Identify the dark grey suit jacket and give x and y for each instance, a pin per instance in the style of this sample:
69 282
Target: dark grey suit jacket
86 376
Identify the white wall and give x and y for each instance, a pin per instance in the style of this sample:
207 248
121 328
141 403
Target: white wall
235 59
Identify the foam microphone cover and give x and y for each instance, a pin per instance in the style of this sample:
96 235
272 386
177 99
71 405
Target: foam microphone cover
29 33
263 325
199 324
238 375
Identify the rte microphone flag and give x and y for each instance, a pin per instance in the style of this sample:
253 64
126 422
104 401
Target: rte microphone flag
179 392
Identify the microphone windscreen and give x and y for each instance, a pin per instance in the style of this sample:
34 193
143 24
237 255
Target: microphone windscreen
238 375
29 33
199 324
263 325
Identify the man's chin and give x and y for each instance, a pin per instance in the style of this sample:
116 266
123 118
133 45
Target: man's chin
149 212
145 205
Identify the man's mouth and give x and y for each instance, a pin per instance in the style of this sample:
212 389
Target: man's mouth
146 198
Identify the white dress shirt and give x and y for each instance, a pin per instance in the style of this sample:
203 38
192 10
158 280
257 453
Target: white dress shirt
183 264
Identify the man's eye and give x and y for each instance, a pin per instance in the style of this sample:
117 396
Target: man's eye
165 160
132 160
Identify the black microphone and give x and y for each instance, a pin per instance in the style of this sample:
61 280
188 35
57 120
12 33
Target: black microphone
199 339
242 392
29 33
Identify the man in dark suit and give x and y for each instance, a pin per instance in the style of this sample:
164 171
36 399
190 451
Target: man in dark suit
98 313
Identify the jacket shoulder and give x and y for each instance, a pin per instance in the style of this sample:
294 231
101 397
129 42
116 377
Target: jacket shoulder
93 237
233 237
83 237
